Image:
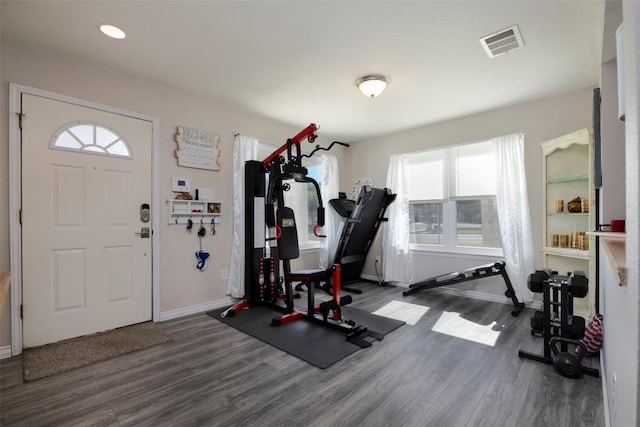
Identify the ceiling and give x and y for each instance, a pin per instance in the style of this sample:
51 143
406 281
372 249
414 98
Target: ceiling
296 62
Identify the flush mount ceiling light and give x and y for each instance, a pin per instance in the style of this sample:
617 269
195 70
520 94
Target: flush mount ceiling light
372 85
112 31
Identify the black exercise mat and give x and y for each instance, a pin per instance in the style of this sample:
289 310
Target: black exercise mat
321 346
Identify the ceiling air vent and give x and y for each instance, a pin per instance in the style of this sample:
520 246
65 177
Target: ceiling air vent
502 42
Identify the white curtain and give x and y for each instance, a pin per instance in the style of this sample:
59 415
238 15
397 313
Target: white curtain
244 148
329 190
396 256
513 212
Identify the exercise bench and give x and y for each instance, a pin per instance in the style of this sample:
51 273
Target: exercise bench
474 273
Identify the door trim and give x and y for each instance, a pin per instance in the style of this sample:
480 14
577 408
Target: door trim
15 199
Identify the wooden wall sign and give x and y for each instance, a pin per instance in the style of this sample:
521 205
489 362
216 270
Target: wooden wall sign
197 149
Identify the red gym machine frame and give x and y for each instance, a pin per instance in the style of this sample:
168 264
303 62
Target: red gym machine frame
309 133
260 265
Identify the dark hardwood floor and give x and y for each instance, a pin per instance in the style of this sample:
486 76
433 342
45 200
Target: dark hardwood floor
213 375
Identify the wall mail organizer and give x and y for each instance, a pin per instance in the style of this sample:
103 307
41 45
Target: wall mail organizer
198 211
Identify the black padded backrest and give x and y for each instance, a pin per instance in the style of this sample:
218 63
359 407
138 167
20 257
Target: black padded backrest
288 243
343 207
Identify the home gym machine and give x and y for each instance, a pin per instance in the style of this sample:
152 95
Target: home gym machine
557 324
271 240
480 272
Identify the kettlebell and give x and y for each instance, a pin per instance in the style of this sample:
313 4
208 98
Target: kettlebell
567 364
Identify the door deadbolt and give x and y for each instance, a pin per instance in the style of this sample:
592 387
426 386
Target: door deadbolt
145 213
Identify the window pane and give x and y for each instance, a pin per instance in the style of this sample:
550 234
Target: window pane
119 149
302 198
104 136
94 149
475 170
81 137
426 221
426 172
66 140
477 223
84 133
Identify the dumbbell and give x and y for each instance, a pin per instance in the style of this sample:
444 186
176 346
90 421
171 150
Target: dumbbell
536 323
535 282
576 326
578 284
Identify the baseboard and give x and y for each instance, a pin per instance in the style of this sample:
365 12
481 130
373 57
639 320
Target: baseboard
5 352
212 305
371 278
605 393
195 309
483 296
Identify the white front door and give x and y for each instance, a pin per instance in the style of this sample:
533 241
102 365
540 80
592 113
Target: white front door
85 175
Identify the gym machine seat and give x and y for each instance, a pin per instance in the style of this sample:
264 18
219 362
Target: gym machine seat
288 249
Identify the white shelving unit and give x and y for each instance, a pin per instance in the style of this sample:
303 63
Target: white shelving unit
180 211
567 174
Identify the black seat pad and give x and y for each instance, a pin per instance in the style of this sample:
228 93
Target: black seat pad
308 275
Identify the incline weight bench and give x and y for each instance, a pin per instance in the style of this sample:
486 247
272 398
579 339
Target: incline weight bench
482 271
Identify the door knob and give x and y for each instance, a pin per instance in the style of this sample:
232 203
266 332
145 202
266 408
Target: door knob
144 233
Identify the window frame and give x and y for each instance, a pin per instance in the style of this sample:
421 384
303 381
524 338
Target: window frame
449 211
86 148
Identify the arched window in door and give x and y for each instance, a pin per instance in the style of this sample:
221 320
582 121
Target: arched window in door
90 138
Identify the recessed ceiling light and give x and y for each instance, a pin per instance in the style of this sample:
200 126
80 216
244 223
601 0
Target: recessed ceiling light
112 31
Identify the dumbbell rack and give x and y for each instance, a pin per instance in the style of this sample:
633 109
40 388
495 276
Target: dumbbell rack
557 307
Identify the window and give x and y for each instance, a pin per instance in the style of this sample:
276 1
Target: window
90 138
302 198
452 199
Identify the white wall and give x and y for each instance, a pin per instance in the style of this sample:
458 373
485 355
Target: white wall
181 284
612 198
541 120
628 404
621 183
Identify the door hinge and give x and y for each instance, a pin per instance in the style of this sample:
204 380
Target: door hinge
20 216
21 311
20 117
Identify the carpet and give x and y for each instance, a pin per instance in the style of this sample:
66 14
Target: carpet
62 356
307 340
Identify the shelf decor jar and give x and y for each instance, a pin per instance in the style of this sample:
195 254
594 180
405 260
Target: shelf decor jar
575 205
585 205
